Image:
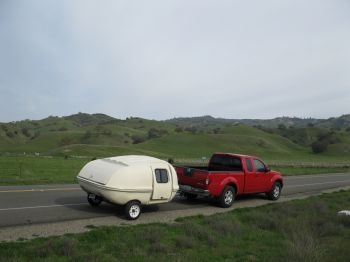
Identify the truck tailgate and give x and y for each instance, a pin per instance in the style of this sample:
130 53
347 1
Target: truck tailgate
192 177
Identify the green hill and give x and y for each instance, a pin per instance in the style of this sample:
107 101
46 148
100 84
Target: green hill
65 144
99 135
333 122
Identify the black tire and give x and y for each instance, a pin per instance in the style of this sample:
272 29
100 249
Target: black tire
227 197
132 210
275 191
190 196
94 200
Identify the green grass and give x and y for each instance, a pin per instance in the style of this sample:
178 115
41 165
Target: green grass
30 170
242 139
295 171
39 170
300 230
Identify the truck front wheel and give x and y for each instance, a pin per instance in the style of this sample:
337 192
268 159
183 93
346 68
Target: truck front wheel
275 191
132 210
227 196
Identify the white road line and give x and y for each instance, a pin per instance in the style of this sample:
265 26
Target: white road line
38 190
316 176
34 207
314 184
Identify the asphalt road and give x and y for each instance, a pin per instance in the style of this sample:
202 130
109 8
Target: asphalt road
28 205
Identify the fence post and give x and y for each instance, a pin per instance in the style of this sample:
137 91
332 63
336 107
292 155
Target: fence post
20 169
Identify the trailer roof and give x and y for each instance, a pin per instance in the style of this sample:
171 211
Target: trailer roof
133 160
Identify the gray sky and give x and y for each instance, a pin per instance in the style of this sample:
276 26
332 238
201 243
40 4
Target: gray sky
174 58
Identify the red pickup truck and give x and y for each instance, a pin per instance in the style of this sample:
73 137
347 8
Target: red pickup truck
228 175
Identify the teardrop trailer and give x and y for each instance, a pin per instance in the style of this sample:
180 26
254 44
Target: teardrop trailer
130 180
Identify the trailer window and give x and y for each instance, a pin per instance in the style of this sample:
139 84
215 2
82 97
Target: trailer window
161 175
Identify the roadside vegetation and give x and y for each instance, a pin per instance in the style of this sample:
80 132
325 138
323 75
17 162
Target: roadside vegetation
299 230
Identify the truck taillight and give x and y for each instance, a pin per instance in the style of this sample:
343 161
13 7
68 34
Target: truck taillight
207 181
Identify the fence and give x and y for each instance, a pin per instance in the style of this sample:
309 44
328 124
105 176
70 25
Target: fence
277 163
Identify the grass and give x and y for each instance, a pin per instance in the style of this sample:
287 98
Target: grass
240 139
39 170
296 171
31 170
300 230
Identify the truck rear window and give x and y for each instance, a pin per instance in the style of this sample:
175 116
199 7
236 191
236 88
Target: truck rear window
225 163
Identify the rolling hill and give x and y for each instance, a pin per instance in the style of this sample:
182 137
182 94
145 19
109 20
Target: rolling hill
99 135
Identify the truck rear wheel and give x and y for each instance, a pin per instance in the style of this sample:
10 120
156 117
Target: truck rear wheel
132 210
227 196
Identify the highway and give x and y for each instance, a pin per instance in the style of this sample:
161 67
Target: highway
28 205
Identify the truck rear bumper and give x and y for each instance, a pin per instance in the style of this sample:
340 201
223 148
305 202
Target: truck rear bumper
193 190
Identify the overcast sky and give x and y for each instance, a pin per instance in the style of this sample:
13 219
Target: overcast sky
173 58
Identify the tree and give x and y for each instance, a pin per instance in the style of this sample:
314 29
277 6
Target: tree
319 146
179 129
137 139
156 133
216 130
86 137
323 141
26 132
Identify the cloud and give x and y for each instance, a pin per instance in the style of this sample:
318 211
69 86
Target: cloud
160 59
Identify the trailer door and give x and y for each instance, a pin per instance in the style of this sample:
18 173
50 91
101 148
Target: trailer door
162 183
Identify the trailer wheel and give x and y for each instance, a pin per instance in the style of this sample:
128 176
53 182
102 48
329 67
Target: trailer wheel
227 196
94 200
132 210
275 191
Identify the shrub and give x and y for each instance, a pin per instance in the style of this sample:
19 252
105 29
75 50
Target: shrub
319 147
179 129
65 141
156 133
26 132
216 130
10 134
136 139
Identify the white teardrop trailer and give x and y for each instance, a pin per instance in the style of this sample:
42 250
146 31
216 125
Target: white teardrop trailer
129 180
